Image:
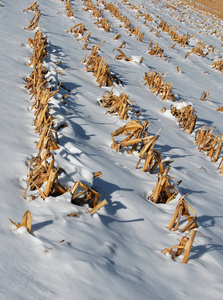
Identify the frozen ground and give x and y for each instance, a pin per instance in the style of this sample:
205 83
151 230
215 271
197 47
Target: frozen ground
116 253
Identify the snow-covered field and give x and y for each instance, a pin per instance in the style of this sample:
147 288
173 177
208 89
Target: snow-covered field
116 252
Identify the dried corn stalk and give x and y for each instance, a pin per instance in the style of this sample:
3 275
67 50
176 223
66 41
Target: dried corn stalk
26 221
163 192
122 56
137 32
39 44
185 116
42 175
207 141
89 6
119 105
164 26
218 65
34 21
196 50
103 23
33 7
182 209
137 133
95 63
184 245
81 194
132 30
78 29
69 9
155 50
157 85
98 206
123 44
180 39
41 170
204 95
117 37
152 157
220 109
220 167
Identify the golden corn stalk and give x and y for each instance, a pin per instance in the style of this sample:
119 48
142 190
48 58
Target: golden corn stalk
46 140
98 206
185 246
33 7
182 209
39 44
78 29
137 133
152 157
26 221
122 56
196 50
155 50
41 170
137 33
207 141
85 195
180 39
220 167
95 63
163 192
218 65
119 105
185 116
204 95
103 23
164 26
85 39
34 21
132 30
220 109
123 45
69 9
117 37
42 175
89 6
157 85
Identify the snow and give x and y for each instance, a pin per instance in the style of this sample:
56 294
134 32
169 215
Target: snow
116 252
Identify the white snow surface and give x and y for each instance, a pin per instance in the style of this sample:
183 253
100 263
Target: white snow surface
116 253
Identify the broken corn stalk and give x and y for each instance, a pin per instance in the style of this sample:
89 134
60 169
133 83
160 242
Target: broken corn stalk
182 209
117 105
184 245
26 221
163 192
157 85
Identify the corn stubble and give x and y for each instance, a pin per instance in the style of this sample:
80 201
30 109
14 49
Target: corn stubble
180 39
183 209
218 65
208 142
83 194
42 172
155 50
184 247
26 221
119 105
132 30
185 116
164 191
196 50
158 86
138 139
95 63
